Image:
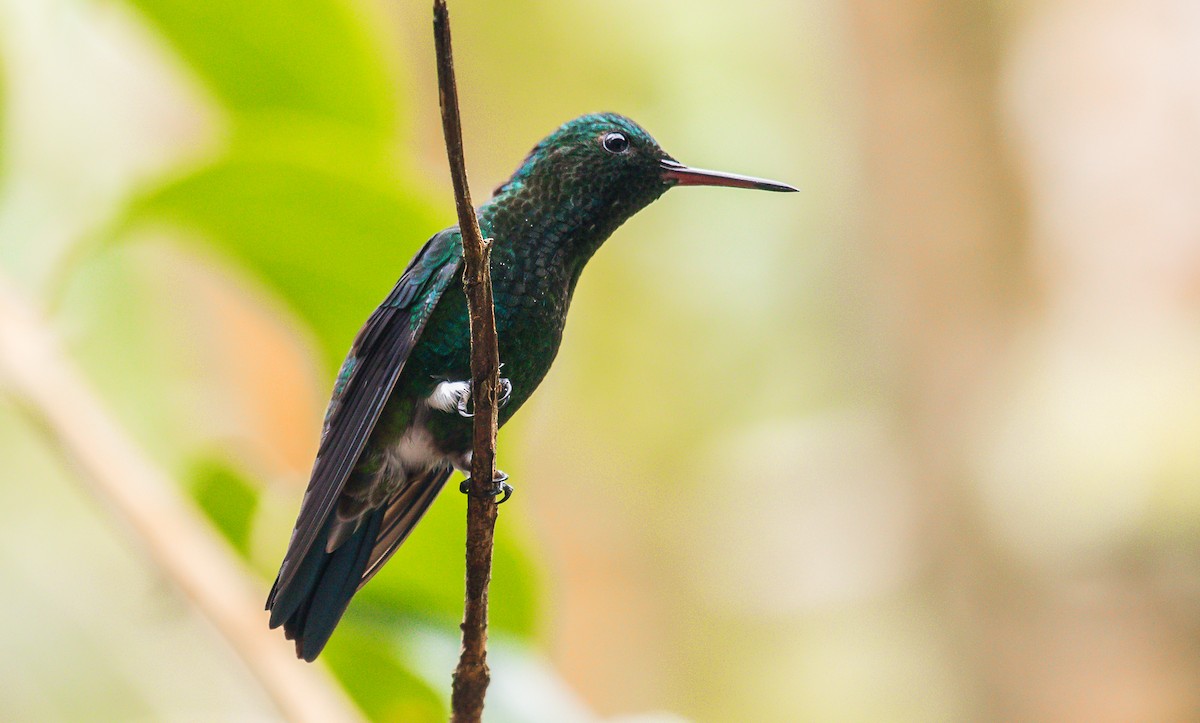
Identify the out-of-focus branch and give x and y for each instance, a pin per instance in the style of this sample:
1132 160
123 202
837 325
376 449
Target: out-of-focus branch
34 371
472 676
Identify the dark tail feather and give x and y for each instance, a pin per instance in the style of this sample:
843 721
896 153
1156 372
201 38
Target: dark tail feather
311 605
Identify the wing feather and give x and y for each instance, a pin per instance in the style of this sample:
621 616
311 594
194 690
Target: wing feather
403 513
365 382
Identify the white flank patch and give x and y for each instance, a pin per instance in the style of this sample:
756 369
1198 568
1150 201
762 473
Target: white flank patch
446 395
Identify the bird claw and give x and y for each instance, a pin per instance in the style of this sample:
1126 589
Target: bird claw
464 399
500 486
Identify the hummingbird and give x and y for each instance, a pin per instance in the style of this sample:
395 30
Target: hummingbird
398 423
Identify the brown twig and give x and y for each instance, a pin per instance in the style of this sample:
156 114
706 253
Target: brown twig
472 676
35 372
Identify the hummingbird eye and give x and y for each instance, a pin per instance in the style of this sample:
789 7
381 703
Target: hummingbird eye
615 142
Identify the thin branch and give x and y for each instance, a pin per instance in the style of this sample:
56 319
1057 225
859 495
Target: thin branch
472 676
35 372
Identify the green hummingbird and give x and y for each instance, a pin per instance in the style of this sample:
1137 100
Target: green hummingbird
398 421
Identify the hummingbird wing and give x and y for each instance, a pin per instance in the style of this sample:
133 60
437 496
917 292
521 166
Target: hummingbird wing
364 384
403 513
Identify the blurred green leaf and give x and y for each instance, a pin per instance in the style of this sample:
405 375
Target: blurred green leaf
312 57
330 241
379 682
228 498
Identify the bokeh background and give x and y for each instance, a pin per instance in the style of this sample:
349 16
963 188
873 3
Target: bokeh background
919 443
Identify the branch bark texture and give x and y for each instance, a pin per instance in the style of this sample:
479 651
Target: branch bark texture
472 676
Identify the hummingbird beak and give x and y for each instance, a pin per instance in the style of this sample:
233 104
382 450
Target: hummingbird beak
684 176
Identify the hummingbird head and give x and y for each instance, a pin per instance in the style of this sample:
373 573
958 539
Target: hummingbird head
596 171
610 154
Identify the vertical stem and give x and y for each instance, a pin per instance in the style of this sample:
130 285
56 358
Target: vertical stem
471 677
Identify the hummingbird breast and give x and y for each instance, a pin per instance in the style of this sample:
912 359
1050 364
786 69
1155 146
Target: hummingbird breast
532 290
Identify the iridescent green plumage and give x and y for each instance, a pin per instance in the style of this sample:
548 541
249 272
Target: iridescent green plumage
392 434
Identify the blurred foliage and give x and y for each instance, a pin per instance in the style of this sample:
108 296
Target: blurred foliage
342 233
385 687
303 196
309 57
228 498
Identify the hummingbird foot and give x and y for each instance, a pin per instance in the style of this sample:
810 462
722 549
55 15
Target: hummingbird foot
500 486
456 396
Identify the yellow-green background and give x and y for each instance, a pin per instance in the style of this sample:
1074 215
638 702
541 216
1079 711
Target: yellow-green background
919 443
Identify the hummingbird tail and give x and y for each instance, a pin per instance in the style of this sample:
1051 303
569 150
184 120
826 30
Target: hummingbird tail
313 600
310 607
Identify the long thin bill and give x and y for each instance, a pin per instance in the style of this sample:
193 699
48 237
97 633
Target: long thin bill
684 176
